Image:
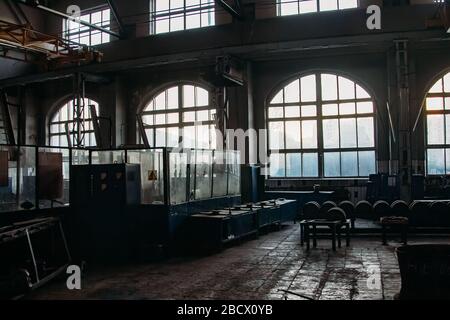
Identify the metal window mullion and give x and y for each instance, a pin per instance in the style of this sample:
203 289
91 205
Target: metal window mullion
300 121
445 141
339 124
184 15
180 113
320 137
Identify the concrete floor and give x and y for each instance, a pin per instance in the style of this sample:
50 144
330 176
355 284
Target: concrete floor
256 269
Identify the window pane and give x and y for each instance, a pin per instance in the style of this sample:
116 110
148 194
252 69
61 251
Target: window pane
162 5
288 7
307 6
96 18
292 134
189 116
202 137
160 119
55 128
447 161
188 137
329 87
173 118
435 103
202 115
330 110
162 25
309 134
347 4
188 96
208 18
364 107
361 93
366 133
347 108
437 87
150 106
291 112
308 87
435 161
176 4
202 97
330 133
160 137
276 112
278 98
276 135
332 164
435 128
212 132
310 165
349 163
366 163
172 137
277 166
348 133
172 98
193 21
292 92
190 4
346 89
176 22
447 128
160 101
293 165
326 5
309 111
96 38
447 82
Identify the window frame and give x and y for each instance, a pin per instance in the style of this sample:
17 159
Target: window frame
280 2
181 124
184 12
444 112
89 32
319 102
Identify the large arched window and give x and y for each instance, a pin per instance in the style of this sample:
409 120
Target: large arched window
63 120
321 125
182 113
437 106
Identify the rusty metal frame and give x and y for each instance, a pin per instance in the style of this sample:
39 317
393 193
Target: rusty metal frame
23 38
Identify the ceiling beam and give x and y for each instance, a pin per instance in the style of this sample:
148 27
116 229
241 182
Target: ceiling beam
116 15
235 11
35 4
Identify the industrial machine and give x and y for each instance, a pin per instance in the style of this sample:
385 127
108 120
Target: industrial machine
100 198
135 202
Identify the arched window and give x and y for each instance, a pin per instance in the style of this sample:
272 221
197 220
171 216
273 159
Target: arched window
437 106
63 120
321 125
182 113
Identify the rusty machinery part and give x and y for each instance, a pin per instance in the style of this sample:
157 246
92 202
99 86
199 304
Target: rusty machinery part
48 51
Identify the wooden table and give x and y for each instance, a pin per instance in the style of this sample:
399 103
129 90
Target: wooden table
307 225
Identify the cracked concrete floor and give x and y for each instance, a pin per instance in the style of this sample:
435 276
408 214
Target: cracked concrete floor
255 269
